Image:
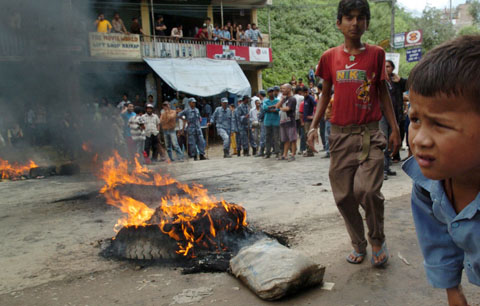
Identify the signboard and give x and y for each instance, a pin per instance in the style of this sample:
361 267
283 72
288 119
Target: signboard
399 40
413 38
239 53
118 46
414 55
395 58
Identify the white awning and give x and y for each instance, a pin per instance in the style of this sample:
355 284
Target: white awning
201 76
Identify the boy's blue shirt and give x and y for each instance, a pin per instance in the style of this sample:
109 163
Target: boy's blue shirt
449 241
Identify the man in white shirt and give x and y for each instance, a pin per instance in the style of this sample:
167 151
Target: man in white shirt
255 125
124 102
152 128
301 134
177 32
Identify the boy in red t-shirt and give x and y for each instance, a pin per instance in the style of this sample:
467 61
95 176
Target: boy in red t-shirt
357 71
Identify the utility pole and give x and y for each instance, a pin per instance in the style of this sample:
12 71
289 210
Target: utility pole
392 22
392 25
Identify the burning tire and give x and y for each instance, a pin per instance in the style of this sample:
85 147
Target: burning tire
142 243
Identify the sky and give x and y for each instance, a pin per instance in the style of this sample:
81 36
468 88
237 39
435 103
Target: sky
417 6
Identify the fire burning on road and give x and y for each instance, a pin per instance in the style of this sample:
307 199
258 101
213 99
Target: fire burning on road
15 170
193 219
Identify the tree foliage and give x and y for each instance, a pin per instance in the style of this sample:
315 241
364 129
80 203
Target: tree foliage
469 30
301 30
474 11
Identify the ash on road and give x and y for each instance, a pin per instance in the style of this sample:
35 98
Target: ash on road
52 228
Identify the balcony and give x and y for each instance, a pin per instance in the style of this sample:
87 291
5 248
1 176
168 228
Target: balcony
136 47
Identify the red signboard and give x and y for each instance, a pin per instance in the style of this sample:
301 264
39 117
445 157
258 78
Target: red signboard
413 38
239 53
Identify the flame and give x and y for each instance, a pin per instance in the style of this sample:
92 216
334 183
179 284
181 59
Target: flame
15 170
176 216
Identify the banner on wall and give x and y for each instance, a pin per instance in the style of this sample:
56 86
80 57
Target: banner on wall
239 53
120 46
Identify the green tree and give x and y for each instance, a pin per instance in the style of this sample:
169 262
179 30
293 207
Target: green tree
435 29
469 30
301 30
474 10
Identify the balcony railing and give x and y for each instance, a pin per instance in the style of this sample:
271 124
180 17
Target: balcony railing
186 47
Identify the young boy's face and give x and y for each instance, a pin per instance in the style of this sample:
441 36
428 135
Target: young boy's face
444 137
353 25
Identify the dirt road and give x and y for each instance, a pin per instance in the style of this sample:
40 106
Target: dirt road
49 249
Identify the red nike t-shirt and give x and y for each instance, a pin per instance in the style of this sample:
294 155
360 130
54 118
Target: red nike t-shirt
356 83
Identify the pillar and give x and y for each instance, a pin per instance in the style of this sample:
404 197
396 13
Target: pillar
254 16
145 16
210 12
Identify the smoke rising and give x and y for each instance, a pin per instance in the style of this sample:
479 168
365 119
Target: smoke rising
49 86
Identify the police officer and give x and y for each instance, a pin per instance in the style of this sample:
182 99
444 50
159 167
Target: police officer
243 126
223 118
195 136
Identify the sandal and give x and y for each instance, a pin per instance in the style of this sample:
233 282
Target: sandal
354 253
383 250
291 158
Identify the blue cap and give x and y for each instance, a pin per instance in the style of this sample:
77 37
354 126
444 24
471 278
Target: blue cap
276 88
262 92
270 89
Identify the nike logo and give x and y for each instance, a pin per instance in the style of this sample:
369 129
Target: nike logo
350 66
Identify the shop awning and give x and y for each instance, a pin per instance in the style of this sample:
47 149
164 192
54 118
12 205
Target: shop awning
201 76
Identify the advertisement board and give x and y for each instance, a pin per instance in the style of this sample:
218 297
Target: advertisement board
414 55
239 53
395 58
119 46
413 38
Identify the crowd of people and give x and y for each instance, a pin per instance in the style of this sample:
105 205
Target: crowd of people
230 33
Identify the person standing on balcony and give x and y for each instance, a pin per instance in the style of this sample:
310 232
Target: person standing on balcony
177 32
135 27
160 27
103 25
117 24
226 34
202 34
209 25
253 34
217 33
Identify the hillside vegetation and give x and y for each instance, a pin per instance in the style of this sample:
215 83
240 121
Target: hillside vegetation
301 30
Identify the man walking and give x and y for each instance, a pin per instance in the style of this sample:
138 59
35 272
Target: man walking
357 70
168 122
223 118
194 130
152 128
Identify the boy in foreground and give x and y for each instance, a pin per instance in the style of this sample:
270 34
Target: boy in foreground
445 141
357 70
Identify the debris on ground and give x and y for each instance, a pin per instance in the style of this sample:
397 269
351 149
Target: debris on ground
192 295
273 271
403 259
